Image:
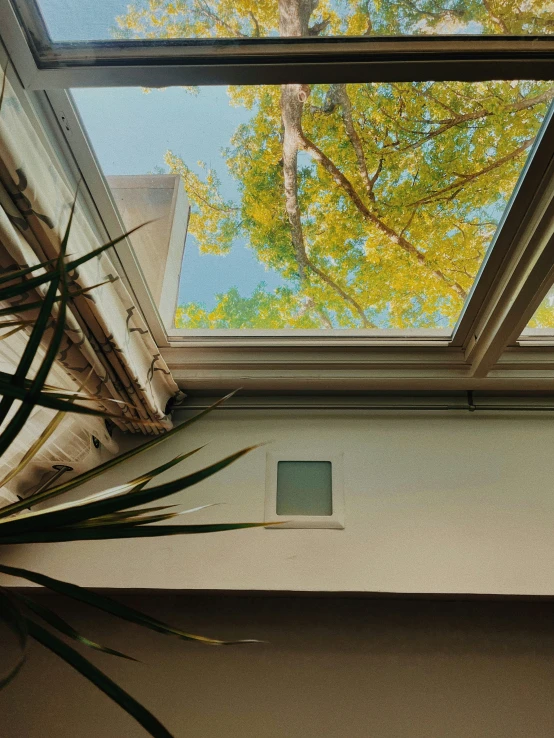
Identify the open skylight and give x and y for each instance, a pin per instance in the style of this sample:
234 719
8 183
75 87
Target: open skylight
359 206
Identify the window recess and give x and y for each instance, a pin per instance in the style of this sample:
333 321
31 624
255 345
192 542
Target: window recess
416 151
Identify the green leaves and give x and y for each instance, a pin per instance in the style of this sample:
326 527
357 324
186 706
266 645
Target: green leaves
46 524
14 620
107 532
110 464
109 605
99 679
53 619
24 286
383 215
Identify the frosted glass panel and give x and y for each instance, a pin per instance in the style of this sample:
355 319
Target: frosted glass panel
304 488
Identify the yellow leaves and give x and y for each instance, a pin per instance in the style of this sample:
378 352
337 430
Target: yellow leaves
372 256
435 150
214 220
544 316
261 214
232 18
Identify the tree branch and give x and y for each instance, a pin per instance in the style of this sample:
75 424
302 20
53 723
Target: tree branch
543 97
294 16
257 32
316 154
496 19
346 105
212 15
292 101
310 304
345 296
465 179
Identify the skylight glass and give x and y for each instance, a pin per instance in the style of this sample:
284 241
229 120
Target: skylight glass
543 319
77 20
359 206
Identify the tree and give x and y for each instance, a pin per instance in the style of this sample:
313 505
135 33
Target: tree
375 202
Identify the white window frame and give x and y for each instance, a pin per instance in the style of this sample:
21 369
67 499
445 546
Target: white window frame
291 453
489 348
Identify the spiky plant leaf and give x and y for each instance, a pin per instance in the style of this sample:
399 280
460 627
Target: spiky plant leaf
110 464
72 657
50 519
109 605
15 290
55 621
14 620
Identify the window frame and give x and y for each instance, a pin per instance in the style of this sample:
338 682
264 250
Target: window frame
514 278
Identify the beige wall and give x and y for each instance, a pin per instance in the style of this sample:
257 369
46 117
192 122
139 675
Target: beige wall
351 669
434 503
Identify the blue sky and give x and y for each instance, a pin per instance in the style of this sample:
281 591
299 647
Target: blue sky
81 20
131 131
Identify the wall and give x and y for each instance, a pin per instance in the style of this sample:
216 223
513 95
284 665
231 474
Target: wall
434 503
331 669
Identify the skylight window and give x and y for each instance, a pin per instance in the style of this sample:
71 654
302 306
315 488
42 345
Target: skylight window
154 19
360 207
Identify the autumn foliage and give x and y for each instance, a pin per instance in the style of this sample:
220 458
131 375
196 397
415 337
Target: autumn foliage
376 202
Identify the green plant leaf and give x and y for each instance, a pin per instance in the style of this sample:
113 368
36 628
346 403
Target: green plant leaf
6 293
138 517
57 279
12 332
117 491
15 621
125 516
35 447
11 323
21 416
54 620
75 514
31 347
117 532
4 78
19 273
52 401
101 468
107 604
149 475
17 309
72 657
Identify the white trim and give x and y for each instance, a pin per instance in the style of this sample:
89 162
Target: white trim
174 262
13 37
523 283
535 176
346 337
401 402
291 453
356 369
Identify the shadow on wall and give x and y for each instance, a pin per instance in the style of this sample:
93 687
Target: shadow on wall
333 668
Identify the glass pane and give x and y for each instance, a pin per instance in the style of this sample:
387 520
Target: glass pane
304 488
77 20
543 320
360 206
